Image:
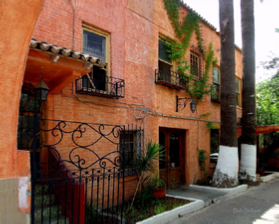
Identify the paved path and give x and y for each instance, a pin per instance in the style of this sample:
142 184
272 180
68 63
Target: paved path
192 192
256 205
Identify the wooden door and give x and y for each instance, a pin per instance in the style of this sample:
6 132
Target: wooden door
172 169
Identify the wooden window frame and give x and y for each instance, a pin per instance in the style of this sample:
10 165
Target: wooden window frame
107 52
199 64
219 77
238 94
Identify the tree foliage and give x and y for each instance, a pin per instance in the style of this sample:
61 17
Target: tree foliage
268 101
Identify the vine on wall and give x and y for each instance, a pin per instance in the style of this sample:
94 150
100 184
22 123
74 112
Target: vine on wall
177 49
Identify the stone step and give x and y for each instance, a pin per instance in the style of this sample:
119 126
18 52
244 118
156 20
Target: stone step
45 200
48 212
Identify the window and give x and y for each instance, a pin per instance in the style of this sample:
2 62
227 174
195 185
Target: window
96 43
131 143
28 107
214 145
237 92
164 63
215 88
216 75
194 62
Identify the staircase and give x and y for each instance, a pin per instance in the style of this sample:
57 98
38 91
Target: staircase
47 208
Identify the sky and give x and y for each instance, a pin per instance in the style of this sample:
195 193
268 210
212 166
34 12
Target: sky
266 20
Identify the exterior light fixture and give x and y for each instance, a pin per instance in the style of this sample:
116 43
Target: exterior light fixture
182 102
41 90
193 106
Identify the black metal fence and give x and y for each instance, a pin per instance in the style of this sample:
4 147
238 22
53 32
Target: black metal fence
171 79
81 170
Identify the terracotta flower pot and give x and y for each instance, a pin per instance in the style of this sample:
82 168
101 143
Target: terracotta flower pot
159 192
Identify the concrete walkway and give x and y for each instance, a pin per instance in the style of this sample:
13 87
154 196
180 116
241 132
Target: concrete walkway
259 204
208 196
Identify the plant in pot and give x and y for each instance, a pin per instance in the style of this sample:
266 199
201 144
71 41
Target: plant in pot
158 187
145 162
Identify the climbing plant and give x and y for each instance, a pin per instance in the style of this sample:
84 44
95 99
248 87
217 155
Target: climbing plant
177 49
202 159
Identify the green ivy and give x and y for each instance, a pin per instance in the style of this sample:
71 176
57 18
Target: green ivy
177 49
209 126
202 159
205 115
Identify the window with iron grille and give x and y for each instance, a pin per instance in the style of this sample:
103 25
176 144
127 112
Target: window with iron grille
131 144
28 107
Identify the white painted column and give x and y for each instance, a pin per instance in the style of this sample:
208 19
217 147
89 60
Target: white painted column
248 162
226 172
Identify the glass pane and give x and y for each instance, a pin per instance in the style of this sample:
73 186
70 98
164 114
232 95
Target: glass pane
237 86
194 60
25 132
28 102
237 99
214 141
174 150
163 52
216 75
128 145
94 44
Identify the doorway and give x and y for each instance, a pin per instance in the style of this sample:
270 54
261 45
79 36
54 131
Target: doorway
172 168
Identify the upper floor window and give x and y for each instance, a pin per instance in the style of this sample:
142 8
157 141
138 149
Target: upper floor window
195 65
216 75
215 88
94 44
164 62
237 92
165 75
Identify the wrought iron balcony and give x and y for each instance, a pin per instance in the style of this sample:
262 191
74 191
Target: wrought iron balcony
215 93
101 85
170 79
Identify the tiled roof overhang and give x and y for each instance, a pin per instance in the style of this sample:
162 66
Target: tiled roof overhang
62 51
60 66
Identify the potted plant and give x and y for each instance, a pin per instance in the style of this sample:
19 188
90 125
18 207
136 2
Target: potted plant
147 161
158 187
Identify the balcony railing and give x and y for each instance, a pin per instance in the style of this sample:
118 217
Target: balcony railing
104 86
215 93
170 79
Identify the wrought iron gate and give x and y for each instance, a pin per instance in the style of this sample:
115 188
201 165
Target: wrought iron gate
79 177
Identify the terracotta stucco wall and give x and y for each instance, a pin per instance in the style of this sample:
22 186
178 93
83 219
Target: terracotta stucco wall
134 28
17 23
17 19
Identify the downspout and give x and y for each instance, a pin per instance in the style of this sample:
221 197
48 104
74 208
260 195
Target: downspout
73 42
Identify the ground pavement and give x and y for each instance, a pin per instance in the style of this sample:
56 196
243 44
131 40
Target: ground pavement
258 204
